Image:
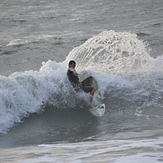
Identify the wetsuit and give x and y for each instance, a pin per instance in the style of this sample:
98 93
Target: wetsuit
74 79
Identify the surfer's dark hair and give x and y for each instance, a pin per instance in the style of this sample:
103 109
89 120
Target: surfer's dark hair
71 62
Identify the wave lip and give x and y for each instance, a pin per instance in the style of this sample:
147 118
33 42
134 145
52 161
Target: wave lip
112 52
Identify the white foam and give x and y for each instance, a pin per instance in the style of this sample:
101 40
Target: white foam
149 150
113 52
15 44
23 93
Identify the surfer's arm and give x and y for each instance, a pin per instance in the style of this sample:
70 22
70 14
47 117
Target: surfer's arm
74 71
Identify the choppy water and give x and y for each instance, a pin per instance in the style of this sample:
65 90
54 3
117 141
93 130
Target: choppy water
120 43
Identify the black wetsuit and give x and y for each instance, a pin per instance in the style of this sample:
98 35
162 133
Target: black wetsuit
84 85
73 78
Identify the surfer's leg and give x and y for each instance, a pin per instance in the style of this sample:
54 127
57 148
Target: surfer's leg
87 81
87 89
93 91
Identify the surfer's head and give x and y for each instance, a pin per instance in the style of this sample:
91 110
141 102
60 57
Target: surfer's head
72 63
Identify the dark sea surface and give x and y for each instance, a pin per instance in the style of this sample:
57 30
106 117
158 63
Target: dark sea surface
119 42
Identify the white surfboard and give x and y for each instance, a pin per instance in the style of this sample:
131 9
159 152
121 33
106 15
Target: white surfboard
97 106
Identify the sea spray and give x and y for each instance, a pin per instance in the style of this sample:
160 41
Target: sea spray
112 52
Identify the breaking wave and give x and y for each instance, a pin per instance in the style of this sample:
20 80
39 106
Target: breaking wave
119 61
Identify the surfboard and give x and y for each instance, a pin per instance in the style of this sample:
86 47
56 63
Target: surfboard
97 106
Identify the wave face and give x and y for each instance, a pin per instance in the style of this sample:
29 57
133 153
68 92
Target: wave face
28 92
120 62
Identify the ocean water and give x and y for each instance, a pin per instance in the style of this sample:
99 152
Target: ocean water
119 42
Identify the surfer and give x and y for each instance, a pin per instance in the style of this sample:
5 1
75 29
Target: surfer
85 85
